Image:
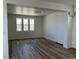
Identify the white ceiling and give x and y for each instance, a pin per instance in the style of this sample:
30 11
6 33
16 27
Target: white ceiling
21 10
16 9
65 2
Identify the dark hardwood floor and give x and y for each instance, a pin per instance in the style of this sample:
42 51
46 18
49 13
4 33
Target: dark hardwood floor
39 49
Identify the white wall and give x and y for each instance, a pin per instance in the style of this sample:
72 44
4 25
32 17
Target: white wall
13 34
71 32
55 27
61 28
5 31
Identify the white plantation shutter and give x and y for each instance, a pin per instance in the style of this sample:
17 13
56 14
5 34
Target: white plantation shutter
31 24
25 24
19 24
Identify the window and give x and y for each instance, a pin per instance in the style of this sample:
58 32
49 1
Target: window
25 24
19 24
31 24
28 24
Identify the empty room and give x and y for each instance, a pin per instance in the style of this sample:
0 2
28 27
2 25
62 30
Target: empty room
40 29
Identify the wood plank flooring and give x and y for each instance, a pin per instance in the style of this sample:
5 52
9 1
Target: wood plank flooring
39 49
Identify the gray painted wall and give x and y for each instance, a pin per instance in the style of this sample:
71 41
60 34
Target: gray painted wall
74 32
55 27
13 34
